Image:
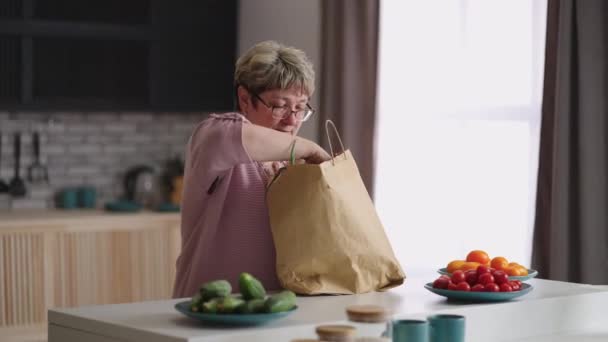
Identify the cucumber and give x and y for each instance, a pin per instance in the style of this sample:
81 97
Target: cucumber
283 301
228 304
252 306
210 306
250 287
195 303
215 289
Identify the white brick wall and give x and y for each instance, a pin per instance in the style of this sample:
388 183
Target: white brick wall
95 148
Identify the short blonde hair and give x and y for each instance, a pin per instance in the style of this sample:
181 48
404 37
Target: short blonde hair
269 65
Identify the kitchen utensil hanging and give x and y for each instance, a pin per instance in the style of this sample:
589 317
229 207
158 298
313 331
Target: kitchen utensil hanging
3 185
37 172
17 186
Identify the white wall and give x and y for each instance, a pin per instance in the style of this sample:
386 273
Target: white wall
292 22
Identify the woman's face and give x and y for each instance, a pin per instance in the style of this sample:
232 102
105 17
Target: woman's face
261 113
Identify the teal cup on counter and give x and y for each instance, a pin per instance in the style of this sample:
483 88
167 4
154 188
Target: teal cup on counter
446 328
77 197
410 330
68 198
87 197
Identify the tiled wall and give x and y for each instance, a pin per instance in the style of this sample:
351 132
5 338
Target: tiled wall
93 149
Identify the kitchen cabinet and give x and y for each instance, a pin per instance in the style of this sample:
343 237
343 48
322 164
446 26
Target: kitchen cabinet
117 55
53 259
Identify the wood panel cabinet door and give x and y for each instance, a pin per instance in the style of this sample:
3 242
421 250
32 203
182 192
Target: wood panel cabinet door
73 266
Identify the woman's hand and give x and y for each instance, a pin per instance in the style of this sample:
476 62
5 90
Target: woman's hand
314 153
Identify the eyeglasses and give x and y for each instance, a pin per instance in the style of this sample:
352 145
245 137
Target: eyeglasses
282 112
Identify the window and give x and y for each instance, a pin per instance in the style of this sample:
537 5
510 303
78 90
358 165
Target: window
459 97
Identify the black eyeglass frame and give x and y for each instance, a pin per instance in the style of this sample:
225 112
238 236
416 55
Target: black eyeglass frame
308 112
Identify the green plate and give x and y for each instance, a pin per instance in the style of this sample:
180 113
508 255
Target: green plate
531 274
480 296
231 319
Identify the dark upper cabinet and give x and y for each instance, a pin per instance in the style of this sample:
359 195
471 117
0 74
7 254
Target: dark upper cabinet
10 69
131 12
116 54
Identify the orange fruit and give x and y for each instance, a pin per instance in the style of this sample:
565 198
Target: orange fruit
479 256
522 270
513 270
469 265
454 265
499 263
516 269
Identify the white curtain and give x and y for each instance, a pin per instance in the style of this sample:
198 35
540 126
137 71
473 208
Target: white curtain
459 98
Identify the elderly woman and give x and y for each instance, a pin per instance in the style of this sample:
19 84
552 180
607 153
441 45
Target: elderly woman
231 157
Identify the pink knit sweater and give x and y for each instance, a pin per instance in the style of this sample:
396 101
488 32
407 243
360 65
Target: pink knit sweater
225 226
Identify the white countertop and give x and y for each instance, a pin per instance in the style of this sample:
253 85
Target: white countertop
551 308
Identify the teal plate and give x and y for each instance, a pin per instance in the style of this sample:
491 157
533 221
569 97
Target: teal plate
123 206
167 208
531 274
231 319
480 296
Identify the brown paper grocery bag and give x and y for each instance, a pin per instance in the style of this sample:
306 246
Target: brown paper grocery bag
327 234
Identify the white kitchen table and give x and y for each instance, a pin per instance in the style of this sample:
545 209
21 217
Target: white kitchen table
553 311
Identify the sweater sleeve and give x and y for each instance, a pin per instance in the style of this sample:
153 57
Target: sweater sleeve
217 144
215 147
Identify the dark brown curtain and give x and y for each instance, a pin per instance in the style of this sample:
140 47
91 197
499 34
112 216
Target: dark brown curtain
348 82
571 226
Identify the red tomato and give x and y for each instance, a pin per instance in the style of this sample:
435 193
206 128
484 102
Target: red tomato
500 277
441 282
505 287
451 286
463 286
491 287
485 278
458 277
518 282
515 286
470 277
482 269
478 288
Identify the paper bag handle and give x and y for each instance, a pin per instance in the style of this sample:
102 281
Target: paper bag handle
327 123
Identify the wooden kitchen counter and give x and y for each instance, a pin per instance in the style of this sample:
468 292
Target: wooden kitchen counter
31 219
67 258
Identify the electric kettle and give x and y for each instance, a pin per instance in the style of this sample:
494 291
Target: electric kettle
141 186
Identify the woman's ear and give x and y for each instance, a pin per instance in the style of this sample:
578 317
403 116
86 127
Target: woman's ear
243 98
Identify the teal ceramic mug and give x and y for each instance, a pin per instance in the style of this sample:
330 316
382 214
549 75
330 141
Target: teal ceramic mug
68 199
87 197
410 330
446 328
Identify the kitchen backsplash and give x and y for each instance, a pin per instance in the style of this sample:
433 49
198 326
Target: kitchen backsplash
92 149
